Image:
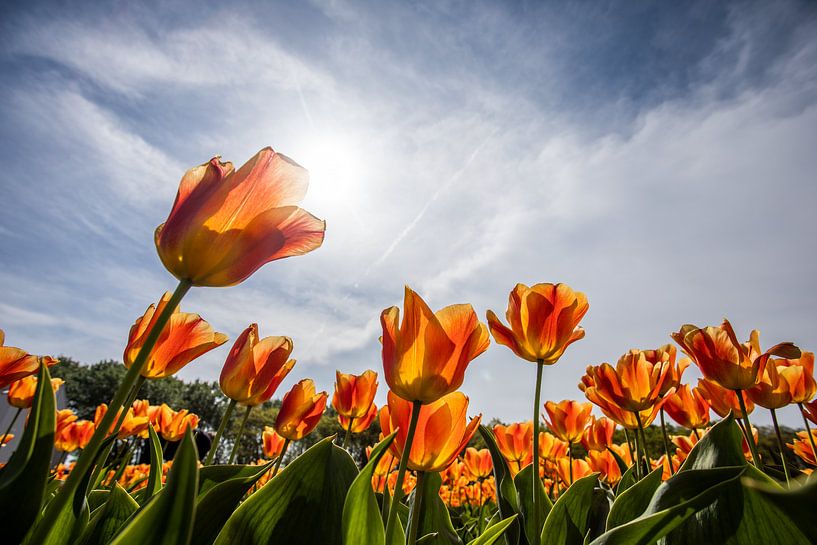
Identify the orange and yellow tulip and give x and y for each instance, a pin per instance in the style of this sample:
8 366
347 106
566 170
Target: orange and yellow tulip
568 418
16 363
64 418
623 418
132 425
668 354
635 383
21 392
170 424
551 448
598 435
721 358
688 407
255 367
359 425
273 444
441 431
226 224
74 435
354 394
721 400
544 321
184 338
300 411
425 356
802 447
515 442
478 463
772 390
602 461
799 375
580 469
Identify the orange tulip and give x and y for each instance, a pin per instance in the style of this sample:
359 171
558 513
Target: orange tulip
301 410
354 394
684 444
625 419
16 363
64 418
272 442
723 359
385 464
426 356
132 425
551 448
568 418
226 224
441 433
810 411
722 400
544 321
667 354
181 421
603 462
799 375
184 338
255 367
772 390
74 435
635 383
515 442
802 447
359 425
580 469
478 463
21 392
688 407
598 435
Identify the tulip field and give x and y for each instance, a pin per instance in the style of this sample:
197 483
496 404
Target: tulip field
557 477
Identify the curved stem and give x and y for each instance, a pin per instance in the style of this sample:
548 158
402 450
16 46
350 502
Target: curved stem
808 430
401 471
535 473
348 433
13 420
240 433
280 458
780 446
228 412
416 508
643 442
666 442
749 435
89 453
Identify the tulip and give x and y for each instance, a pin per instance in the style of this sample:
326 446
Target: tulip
226 224
184 338
74 435
300 411
625 419
543 321
721 400
130 424
515 443
64 418
21 392
255 367
688 407
802 447
635 383
684 444
478 463
598 435
16 363
358 425
799 375
354 394
441 428
567 419
569 469
425 357
273 443
602 461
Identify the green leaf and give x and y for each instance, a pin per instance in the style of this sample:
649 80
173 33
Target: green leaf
524 487
24 478
686 492
303 504
634 501
362 520
719 447
736 515
434 516
97 498
569 520
797 503
156 469
493 532
212 476
168 517
106 521
628 479
215 506
505 490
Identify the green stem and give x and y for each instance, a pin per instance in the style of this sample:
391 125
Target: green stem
666 442
280 458
697 434
416 508
401 471
13 420
570 461
479 526
348 433
808 430
89 453
537 523
140 380
780 446
643 442
629 441
637 454
228 412
240 433
749 435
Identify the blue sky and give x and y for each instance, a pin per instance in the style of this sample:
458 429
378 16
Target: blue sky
659 157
